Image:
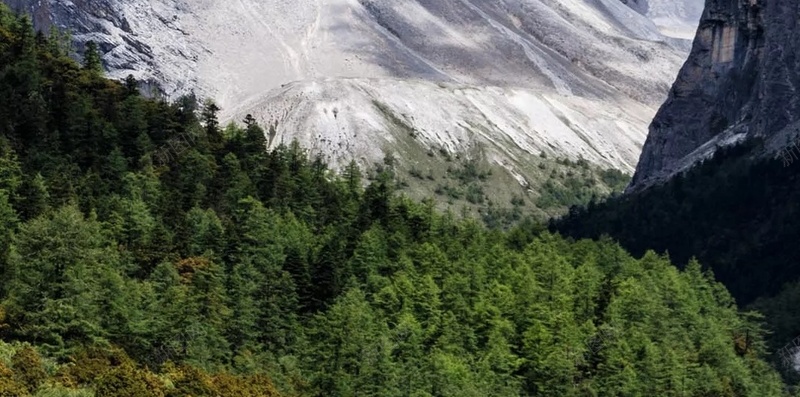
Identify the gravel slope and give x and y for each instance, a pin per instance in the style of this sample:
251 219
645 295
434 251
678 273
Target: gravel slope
514 78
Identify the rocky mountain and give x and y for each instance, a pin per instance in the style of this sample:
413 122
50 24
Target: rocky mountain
740 81
673 18
498 81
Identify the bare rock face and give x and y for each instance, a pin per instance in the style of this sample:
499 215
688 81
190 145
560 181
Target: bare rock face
740 81
125 32
674 18
90 20
509 80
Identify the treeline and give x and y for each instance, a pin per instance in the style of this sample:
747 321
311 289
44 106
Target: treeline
146 250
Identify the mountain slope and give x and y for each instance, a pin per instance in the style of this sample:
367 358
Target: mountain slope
125 251
238 260
500 81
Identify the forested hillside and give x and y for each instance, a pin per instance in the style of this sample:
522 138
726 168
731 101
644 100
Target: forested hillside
147 251
735 213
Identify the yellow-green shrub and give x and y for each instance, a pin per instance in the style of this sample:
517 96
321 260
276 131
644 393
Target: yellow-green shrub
28 368
9 386
128 381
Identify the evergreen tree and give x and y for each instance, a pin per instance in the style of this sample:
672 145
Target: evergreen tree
206 234
10 170
261 247
208 305
243 331
91 58
8 225
66 283
211 122
352 349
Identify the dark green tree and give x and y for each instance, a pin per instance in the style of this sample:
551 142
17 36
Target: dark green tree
65 282
92 60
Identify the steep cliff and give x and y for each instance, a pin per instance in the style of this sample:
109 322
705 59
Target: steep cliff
740 81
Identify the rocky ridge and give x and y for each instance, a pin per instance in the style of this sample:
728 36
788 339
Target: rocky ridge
739 82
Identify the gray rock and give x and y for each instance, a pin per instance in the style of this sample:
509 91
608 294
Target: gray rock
676 19
639 6
569 78
740 81
126 44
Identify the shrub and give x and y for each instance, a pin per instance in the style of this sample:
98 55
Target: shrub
128 381
90 364
28 368
188 381
475 194
9 386
56 390
251 386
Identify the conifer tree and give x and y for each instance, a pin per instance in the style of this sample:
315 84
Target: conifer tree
243 286
8 225
91 58
66 281
276 296
211 122
205 233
